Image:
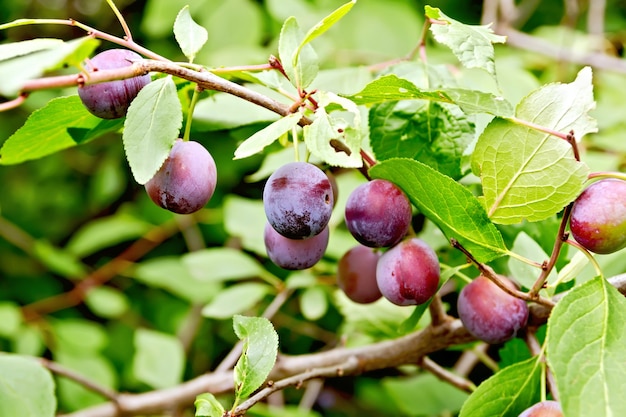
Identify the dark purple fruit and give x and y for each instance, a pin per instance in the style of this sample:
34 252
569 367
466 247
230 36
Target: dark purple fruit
186 180
548 408
298 200
489 313
598 220
378 213
111 99
356 274
294 254
408 273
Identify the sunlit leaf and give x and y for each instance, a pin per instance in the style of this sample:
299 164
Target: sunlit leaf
159 358
190 36
26 388
266 136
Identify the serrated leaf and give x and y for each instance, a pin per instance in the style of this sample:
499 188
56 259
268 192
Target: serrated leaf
392 88
300 63
325 24
471 44
159 358
526 274
190 36
26 388
62 123
15 49
260 348
152 125
221 264
473 101
207 406
448 204
15 72
586 341
433 133
235 300
526 174
266 136
507 393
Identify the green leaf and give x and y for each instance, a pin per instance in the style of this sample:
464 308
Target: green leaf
26 388
313 303
266 136
190 36
526 174
507 393
235 300
325 24
58 260
448 204
249 232
10 319
107 302
78 336
300 63
392 88
473 101
62 123
15 49
15 72
586 340
435 134
260 348
221 264
524 273
471 44
207 406
152 125
159 358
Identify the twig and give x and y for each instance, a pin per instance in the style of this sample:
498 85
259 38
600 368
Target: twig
438 314
445 375
91 385
536 350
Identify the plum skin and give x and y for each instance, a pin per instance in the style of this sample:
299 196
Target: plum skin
548 408
489 313
378 213
356 274
187 179
294 254
298 200
598 218
111 99
408 273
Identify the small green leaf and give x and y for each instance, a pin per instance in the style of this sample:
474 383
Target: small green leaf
62 123
260 348
392 88
107 302
10 319
266 136
207 406
448 204
325 24
507 393
313 303
471 44
152 125
249 232
26 388
235 300
221 264
58 260
15 49
159 358
586 340
300 63
190 36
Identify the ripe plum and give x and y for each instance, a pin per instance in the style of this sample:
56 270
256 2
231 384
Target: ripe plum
548 408
294 254
356 274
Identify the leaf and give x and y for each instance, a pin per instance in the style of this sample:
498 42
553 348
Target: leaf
221 264
266 136
107 302
207 406
62 123
10 319
392 88
313 303
448 204
526 174
471 44
190 36
435 134
260 348
325 24
235 300
585 350
526 274
58 260
507 393
26 388
152 125
159 358
473 101
15 49
300 63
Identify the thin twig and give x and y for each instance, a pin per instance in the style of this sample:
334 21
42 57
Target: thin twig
438 313
445 375
536 350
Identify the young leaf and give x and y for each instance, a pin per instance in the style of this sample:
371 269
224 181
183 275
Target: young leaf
152 125
62 123
221 264
207 406
159 358
471 44
300 63
392 88
260 348
325 24
526 174
586 340
235 300
266 136
190 36
26 388
507 393
448 204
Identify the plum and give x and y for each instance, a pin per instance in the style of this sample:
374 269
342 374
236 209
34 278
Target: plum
598 219
356 274
111 99
408 273
294 254
548 408
489 313
186 181
298 200
378 213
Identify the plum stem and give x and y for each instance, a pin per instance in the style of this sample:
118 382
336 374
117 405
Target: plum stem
190 110
607 174
116 11
591 258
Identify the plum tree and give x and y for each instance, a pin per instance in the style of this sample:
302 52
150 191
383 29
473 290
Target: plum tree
489 313
356 274
298 200
294 254
598 219
111 99
408 273
186 181
378 213
548 408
